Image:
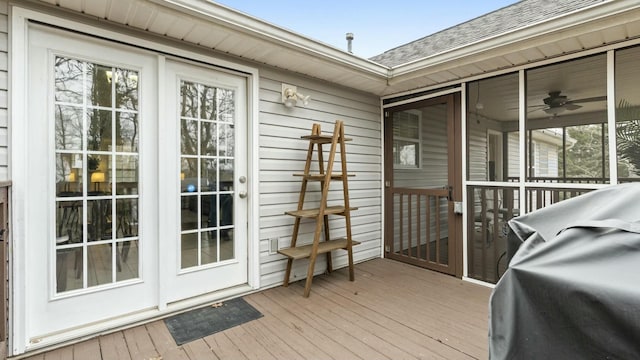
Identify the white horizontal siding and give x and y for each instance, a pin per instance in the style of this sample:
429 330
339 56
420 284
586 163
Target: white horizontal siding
477 154
283 153
514 154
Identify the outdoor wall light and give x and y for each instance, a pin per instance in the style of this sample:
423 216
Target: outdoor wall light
291 96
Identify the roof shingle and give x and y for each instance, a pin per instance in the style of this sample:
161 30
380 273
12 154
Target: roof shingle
501 21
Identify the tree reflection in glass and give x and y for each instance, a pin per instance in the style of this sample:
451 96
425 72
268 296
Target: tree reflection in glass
207 142
96 145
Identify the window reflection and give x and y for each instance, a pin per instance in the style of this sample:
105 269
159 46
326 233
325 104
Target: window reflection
492 124
96 145
628 114
566 122
206 173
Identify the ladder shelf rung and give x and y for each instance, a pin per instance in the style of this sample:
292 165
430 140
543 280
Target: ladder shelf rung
322 139
304 251
320 177
313 213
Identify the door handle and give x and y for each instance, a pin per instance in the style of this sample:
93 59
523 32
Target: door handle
242 194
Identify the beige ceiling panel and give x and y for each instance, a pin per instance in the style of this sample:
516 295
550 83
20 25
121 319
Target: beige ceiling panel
440 77
96 8
197 33
633 29
142 15
215 37
75 5
515 58
460 71
569 45
532 54
234 41
162 22
180 28
260 53
493 64
550 49
614 34
591 40
119 10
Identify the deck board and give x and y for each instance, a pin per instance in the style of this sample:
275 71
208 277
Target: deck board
89 350
114 347
391 311
199 349
285 330
224 348
140 344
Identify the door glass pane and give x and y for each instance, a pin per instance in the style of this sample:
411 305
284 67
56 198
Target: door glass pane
628 114
492 123
420 185
96 141
69 269
68 127
98 84
206 173
566 138
127 132
100 264
489 208
189 250
99 130
69 80
126 260
126 89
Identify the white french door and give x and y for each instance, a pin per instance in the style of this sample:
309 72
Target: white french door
205 153
134 198
90 193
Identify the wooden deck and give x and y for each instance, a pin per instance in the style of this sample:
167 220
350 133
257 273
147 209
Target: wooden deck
391 311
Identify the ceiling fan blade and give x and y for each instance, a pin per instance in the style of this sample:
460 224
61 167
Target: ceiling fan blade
572 106
591 99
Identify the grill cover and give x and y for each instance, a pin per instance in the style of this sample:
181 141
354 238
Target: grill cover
572 289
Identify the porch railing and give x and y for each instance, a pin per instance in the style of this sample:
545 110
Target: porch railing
489 209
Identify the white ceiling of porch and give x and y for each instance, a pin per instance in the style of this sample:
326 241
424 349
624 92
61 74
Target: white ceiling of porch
226 31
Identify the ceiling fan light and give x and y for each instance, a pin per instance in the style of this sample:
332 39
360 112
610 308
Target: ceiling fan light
554 110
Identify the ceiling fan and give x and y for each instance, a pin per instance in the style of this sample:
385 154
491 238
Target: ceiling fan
556 103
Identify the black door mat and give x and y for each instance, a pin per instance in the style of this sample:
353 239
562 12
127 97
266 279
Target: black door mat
201 322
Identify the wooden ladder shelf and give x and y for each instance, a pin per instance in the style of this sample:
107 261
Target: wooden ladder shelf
321 214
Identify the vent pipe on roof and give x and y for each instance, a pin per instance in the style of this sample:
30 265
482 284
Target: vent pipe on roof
349 40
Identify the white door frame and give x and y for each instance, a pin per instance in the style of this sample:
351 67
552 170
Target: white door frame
18 93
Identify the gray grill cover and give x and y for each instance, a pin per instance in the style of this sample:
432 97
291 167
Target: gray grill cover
572 289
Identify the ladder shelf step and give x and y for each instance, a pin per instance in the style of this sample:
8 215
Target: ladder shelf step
320 177
322 139
302 252
313 213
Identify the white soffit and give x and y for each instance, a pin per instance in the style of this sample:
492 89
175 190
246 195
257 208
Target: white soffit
214 26
225 30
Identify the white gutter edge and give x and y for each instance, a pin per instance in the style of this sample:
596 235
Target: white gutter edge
220 14
565 21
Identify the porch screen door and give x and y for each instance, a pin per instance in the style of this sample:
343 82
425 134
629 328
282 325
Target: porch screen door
422 180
